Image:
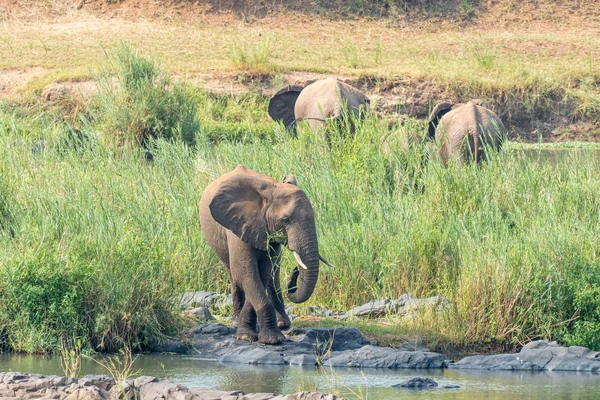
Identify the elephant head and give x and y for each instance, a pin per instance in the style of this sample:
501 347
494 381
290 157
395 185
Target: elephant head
259 210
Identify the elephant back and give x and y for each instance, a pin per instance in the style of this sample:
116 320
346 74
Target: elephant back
469 125
322 100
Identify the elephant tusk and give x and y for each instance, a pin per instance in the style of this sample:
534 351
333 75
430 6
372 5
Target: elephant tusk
299 260
324 261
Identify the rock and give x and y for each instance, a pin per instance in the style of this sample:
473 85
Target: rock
313 311
374 308
537 356
208 394
23 386
212 329
255 355
101 381
172 346
451 387
336 347
384 357
55 92
198 299
303 359
417 383
335 339
403 306
203 313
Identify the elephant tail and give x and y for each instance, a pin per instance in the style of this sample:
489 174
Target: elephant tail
475 145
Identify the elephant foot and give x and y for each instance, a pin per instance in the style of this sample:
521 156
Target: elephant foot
283 322
246 334
270 336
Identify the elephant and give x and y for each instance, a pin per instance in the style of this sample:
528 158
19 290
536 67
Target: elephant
321 101
465 131
246 217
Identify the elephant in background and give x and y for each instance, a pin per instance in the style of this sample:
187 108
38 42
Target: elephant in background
465 131
246 217
317 103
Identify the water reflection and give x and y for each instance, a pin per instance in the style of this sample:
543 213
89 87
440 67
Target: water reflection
196 372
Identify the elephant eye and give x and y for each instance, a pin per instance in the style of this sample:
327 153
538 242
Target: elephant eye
285 220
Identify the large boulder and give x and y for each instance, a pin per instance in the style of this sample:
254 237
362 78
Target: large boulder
417 382
16 385
403 306
345 347
538 355
384 357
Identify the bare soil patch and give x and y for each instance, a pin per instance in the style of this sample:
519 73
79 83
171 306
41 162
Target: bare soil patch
394 97
12 80
58 41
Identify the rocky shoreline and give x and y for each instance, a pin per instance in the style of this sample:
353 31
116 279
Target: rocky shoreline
347 347
342 347
17 385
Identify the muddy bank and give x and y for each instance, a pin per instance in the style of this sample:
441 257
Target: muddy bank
17 385
528 115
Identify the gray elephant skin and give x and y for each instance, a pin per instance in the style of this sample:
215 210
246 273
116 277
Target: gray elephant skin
321 101
465 131
246 217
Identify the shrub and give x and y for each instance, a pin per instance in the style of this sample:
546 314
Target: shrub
45 301
143 103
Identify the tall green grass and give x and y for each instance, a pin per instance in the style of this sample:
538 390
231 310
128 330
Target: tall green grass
99 240
139 102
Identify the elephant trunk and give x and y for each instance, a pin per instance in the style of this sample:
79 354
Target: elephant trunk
302 282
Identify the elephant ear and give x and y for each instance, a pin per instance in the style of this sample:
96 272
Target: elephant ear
281 105
239 205
436 114
291 179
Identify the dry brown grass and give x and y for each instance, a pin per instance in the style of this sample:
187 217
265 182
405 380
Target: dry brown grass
516 56
71 45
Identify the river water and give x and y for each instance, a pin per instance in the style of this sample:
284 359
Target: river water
191 371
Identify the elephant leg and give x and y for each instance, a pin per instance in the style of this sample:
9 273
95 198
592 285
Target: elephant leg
246 274
246 329
237 299
274 290
267 317
271 263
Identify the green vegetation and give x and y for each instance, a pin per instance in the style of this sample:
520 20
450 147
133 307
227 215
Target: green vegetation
144 103
528 71
253 58
96 241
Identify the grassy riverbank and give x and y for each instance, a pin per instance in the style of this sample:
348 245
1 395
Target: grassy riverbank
536 62
96 240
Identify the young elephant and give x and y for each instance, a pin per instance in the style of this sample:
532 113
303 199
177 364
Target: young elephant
465 130
316 103
246 217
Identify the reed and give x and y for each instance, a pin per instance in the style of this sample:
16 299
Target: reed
101 240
